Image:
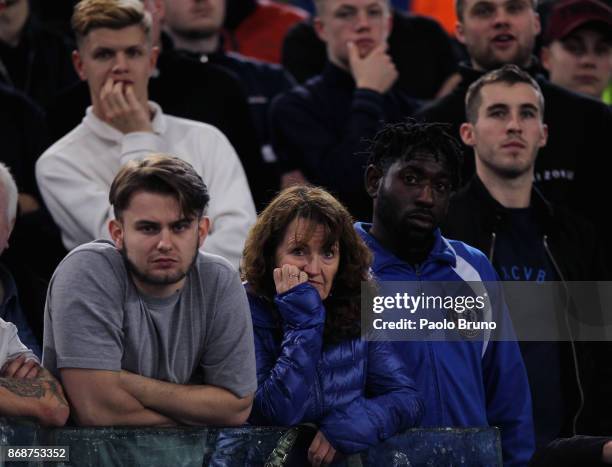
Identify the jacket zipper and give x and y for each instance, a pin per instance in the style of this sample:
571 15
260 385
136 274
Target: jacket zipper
318 397
434 366
572 343
492 247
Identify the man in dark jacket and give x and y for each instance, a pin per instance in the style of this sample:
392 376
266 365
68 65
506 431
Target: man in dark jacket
194 29
35 248
570 169
33 58
527 239
319 129
415 41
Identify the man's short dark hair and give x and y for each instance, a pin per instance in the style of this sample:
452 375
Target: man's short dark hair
162 174
408 139
508 74
460 7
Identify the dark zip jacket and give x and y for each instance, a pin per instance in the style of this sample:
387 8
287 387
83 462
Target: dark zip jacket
322 128
575 164
40 66
571 245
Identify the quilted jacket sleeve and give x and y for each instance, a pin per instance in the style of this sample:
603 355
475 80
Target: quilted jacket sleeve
391 405
285 373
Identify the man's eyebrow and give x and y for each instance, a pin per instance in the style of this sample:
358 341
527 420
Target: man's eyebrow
146 223
103 48
346 6
510 2
483 3
530 106
497 106
184 220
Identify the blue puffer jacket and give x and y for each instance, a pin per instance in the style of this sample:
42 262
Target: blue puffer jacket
358 393
465 383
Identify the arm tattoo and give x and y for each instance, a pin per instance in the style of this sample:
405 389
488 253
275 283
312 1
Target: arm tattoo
57 393
24 388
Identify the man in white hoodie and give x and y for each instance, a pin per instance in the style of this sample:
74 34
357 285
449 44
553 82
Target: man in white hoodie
116 58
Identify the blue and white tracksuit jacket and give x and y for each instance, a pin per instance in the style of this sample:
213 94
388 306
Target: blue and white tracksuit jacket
464 383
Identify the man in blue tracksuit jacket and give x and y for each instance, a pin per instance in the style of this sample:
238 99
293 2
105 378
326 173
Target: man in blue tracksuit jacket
413 170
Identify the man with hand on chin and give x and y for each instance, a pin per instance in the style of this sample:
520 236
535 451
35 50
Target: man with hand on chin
116 57
318 129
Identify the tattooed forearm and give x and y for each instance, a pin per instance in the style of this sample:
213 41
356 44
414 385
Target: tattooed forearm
24 387
57 392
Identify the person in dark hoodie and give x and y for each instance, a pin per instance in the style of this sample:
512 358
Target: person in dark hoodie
415 41
571 168
526 238
319 129
33 58
195 30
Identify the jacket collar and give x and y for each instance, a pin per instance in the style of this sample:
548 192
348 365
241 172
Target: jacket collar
494 212
441 252
103 130
336 76
470 74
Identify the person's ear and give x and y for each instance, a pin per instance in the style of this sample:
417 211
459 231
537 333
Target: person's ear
11 227
544 136
460 32
389 24
153 58
538 23
319 28
203 228
466 131
115 228
77 62
373 179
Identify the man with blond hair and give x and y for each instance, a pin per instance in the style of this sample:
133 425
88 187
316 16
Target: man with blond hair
116 58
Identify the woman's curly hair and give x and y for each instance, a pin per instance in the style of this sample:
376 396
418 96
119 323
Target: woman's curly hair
317 207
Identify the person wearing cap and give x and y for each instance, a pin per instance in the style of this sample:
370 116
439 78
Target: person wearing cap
578 46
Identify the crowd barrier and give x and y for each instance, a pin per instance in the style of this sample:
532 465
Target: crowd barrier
229 447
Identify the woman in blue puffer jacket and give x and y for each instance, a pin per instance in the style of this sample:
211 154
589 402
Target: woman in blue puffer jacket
304 265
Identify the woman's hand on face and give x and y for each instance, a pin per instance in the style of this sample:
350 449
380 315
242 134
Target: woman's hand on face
288 276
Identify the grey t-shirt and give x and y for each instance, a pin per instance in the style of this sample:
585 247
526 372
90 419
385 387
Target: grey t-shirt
95 318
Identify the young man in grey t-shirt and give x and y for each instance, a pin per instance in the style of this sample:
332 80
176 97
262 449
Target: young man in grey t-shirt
151 331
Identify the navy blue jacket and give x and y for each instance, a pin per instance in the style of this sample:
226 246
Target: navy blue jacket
464 383
357 392
322 128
